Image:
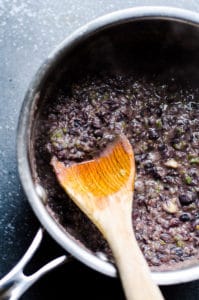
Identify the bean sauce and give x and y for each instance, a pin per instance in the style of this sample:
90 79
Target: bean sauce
161 121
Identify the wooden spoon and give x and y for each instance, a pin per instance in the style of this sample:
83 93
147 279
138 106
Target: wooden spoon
103 189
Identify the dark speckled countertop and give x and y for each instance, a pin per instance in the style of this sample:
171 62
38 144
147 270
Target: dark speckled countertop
29 30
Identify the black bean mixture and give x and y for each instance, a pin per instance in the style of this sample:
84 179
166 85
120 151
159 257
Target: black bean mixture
161 120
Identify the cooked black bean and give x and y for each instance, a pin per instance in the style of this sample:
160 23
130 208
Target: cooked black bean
153 134
185 217
186 199
162 147
178 251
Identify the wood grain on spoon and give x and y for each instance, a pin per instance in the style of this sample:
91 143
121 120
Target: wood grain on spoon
103 189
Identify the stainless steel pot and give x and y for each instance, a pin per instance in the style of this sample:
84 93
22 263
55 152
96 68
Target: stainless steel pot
88 47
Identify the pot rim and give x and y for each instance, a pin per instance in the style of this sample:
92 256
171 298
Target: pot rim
23 134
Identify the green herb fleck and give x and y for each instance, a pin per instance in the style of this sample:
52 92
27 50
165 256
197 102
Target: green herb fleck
180 129
159 187
57 134
194 160
159 123
188 179
178 241
123 125
162 242
180 146
106 96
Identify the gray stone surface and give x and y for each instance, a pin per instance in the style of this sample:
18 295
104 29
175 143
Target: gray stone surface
29 30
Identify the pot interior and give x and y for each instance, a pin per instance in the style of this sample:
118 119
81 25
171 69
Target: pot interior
149 48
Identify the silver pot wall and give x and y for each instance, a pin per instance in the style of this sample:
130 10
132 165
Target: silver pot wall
89 47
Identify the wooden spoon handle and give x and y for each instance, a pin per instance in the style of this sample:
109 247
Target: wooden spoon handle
103 189
133 269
